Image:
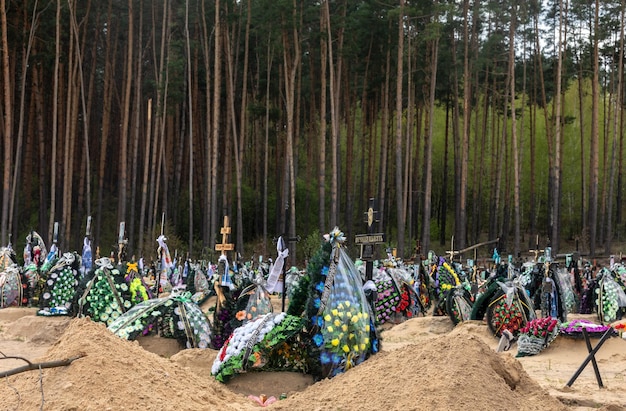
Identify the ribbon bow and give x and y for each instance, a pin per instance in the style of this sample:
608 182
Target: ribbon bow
132 267
277 268
104 262
335 237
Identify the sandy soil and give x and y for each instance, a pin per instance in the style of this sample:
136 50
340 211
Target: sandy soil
426 363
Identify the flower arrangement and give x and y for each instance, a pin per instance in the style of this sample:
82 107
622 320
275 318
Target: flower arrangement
138 292
333 281
221 327
185 320
575 328
540 327
405 302
59 287
566 291
106 297
445 279
506 317
536 335
12 287
387 298
254 344
607 298
344 336
620 274
225 318
587 296
259 303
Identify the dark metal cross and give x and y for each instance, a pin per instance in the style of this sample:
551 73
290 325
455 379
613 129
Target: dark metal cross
287 241
367 241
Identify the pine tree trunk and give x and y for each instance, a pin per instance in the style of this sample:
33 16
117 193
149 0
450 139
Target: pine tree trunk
321 177
190 109
335 82
109 76
217 80
126 111
615 140
136 133
399 124
37 84
8 128
514 138
13 204
384 144
593 153
266 144
208 154
460 234
291 62
55 120
433 51
555 213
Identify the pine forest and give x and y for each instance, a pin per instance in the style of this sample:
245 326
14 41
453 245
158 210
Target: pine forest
466 120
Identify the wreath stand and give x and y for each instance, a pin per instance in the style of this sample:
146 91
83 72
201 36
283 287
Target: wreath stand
591 357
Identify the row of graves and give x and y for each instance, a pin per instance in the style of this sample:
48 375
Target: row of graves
336 307
329 325
531 302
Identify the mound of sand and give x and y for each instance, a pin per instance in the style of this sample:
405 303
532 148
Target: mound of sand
443 373
113 374
426 364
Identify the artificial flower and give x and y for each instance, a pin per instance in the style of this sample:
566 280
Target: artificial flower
241 315
575 328
263 400
536 335
257 344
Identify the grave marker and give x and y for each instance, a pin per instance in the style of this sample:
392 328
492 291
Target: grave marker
367 241
536 251
285 240
225 231
222 265
121 243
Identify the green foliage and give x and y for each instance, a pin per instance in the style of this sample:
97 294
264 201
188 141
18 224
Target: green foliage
310 244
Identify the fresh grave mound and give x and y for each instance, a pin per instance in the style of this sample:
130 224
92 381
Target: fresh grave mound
37 330
113 374
444 373
270 383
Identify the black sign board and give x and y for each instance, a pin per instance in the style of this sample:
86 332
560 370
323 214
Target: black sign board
369 239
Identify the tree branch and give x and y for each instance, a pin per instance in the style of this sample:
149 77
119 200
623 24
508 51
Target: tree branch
35 366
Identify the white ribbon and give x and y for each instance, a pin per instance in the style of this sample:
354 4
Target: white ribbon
52 253
28 250
104 262
225 280
166 259
273 285
86 256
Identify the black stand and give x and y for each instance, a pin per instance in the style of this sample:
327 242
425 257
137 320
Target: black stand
591 357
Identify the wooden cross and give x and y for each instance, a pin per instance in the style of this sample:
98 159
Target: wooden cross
536 251
452 252
225 246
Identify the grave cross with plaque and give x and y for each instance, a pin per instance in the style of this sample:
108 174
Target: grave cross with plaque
225 231
367 241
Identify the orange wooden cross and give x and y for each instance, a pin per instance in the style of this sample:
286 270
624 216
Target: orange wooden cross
225 246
